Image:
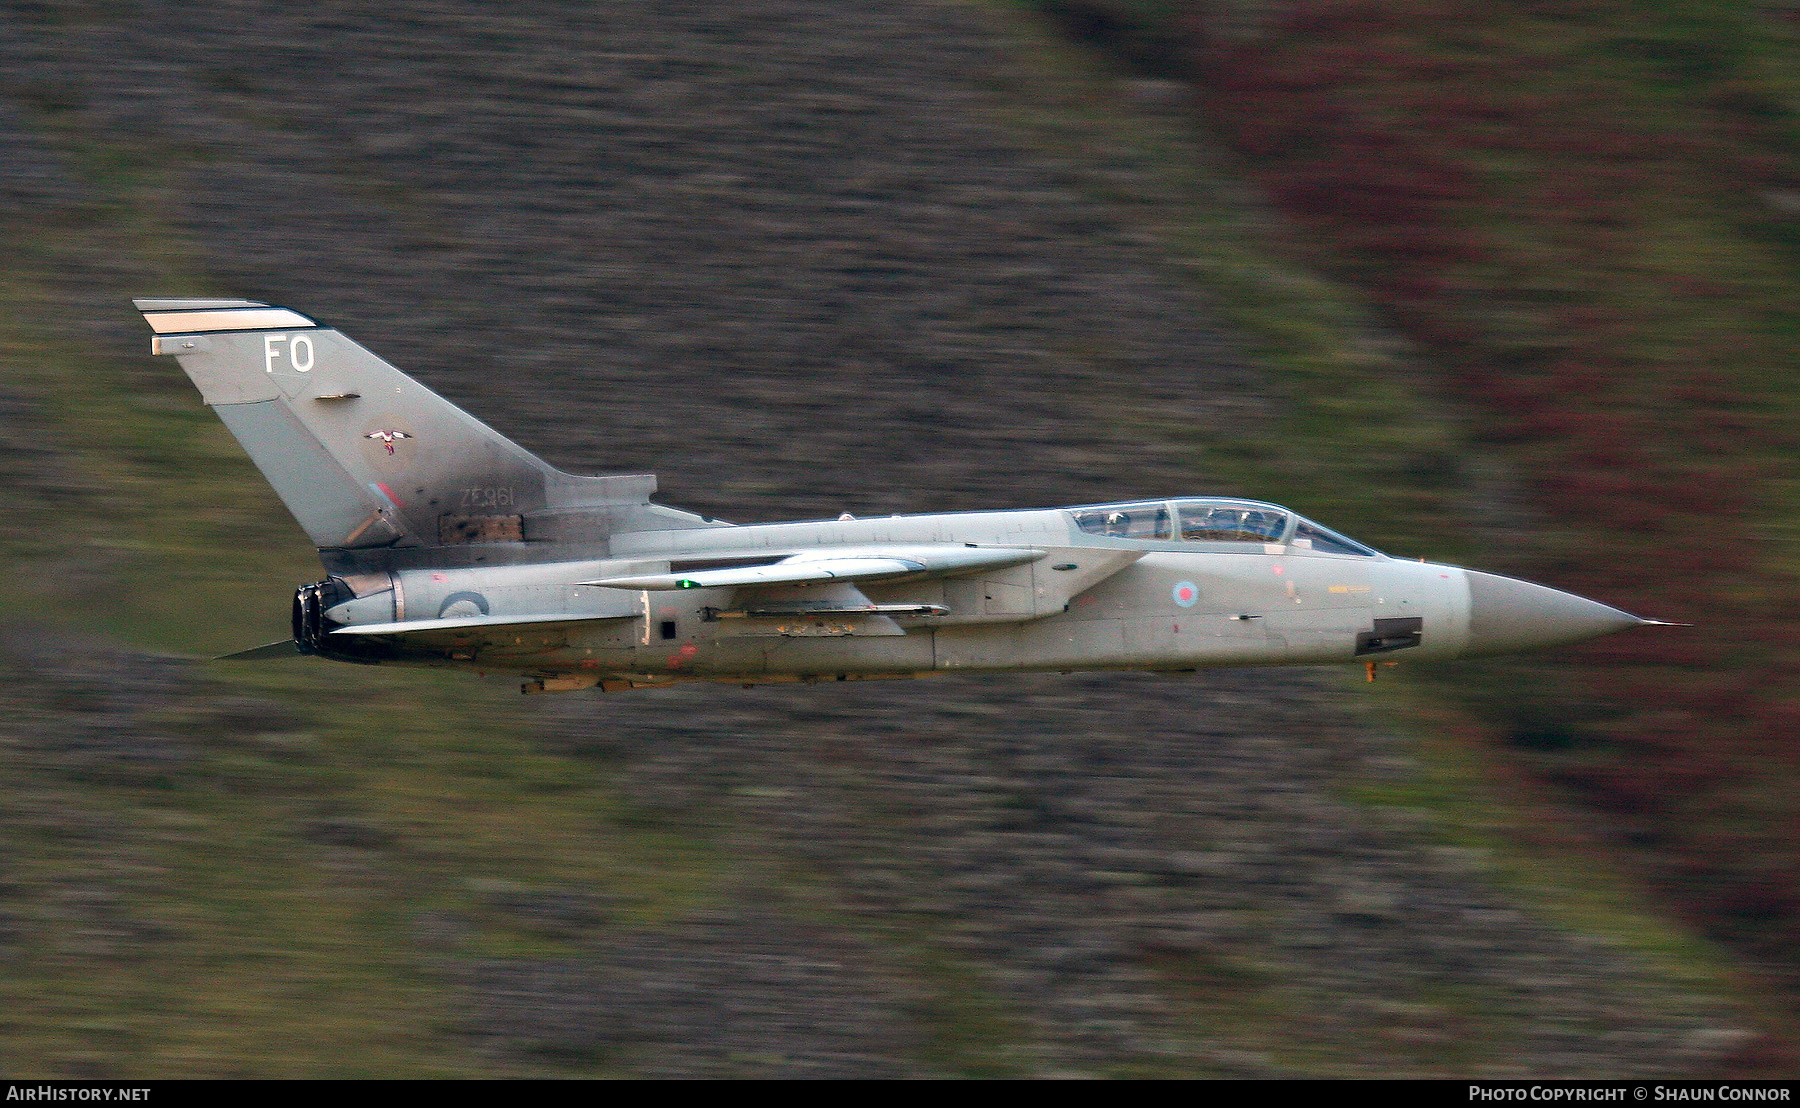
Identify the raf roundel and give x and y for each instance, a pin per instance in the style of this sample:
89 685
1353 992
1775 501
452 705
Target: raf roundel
1186 595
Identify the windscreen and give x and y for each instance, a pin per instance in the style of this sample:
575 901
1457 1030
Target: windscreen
1310 536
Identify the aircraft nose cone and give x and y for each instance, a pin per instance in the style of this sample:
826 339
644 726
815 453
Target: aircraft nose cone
1507 614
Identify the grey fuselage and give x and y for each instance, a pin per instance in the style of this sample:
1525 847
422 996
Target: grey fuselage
448 544
1088 602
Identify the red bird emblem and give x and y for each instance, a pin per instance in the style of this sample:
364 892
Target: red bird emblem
387 438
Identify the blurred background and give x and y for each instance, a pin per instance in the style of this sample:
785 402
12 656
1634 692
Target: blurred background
1511 284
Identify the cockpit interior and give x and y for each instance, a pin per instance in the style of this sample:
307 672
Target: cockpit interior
1213 521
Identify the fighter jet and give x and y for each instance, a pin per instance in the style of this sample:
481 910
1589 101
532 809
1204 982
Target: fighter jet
445 544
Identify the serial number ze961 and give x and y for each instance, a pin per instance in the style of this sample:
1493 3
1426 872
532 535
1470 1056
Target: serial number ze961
501 497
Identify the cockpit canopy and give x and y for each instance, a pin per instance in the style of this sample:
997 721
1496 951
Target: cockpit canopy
1210 520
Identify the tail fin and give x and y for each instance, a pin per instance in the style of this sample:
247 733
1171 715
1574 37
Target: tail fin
363 455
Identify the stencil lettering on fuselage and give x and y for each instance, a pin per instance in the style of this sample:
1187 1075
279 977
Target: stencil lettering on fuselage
1329 602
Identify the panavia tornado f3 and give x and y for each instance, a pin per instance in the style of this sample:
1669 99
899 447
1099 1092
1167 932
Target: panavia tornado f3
447 545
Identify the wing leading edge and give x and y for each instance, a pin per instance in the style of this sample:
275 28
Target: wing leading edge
871 563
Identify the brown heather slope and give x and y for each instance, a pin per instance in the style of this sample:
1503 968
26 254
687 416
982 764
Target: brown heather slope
1584 212
778 251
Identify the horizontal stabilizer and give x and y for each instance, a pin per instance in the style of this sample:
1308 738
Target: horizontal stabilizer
471 623
275 651
865 563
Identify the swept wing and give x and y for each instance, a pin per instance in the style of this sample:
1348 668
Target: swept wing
868 563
